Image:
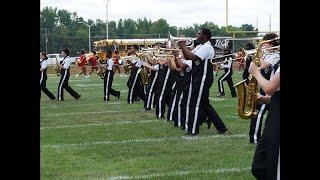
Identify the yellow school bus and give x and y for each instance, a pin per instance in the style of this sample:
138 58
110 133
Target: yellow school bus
123 45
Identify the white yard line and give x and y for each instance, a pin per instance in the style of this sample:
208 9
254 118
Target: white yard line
99 124
82 104
84 113
190 138
216 99
180 173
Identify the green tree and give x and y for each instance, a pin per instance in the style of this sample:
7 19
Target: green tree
48 18
120 29
130 28
160 27
64 17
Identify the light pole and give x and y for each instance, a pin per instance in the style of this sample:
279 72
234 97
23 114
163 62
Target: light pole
45 31
89 26
107 20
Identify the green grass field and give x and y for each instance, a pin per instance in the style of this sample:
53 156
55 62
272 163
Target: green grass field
89 139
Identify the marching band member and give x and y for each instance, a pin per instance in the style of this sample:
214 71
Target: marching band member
64 78
93 63
245 74
227 76
82 64
241 63
266 161
136 88
43 76
116 64
108 78
149 103
164 90
268 64
182 70
201 81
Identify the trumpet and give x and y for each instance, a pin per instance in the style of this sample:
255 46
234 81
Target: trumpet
175 40
130 58
164 55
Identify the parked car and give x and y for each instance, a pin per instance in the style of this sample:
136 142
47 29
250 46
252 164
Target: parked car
52 58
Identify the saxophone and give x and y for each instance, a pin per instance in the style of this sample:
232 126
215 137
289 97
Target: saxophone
143 73
144 77
57 69
247 93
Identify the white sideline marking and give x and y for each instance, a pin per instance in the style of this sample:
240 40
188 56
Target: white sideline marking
87 85
83 104
230 105
232 117
98 124
179 173
216 99
82 113
143 140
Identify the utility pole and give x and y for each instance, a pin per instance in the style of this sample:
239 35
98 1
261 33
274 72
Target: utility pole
107 19
45 32
270 22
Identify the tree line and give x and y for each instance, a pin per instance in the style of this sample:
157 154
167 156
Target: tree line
61 28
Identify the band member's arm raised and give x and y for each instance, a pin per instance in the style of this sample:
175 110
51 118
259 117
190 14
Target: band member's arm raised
263 99
270 60
65 66
227 65
100 66
268 86
186 52
149 67
178 65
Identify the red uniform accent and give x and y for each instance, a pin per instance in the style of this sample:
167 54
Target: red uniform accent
82 61
93 61
115 59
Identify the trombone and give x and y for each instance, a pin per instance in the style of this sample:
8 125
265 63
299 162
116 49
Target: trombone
239 55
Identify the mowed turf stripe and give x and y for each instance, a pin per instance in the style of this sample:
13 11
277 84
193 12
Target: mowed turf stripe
190 138
99 124
180 173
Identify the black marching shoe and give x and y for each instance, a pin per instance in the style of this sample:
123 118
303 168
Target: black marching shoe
209 124
221 95
222 132
194 134
119 96
78 97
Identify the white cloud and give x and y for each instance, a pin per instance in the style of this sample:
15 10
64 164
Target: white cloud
180 13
